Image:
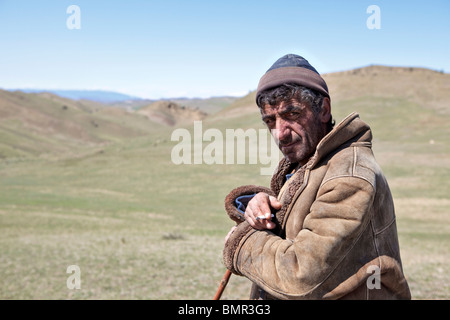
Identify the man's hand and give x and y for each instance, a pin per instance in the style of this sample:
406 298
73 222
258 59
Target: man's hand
258 211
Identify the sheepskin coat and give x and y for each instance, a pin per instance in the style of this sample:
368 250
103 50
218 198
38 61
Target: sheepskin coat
335 235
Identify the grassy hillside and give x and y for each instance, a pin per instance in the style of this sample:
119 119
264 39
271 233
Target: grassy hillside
141 227
170 113
208 105
43 124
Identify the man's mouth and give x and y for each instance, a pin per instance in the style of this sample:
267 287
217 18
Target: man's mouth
289 145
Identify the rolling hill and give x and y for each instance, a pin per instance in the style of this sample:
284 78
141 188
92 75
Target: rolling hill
33 124
170 113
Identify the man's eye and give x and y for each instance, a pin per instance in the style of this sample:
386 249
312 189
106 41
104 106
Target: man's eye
292 115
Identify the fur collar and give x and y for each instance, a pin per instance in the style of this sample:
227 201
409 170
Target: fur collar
295 182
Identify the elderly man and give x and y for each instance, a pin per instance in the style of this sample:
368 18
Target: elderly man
325 229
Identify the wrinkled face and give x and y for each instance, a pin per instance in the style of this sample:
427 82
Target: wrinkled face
298 129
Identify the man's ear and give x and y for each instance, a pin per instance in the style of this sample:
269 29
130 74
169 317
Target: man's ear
325 113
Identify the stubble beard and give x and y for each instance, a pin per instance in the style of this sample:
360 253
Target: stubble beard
304 149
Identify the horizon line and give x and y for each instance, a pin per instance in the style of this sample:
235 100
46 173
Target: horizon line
233 95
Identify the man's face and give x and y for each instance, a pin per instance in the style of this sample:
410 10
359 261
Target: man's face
297 129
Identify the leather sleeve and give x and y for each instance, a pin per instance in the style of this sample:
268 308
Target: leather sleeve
297 268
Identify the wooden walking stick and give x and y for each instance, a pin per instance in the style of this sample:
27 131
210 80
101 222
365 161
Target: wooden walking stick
222 285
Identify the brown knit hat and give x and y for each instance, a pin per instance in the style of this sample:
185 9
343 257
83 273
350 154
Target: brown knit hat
292 68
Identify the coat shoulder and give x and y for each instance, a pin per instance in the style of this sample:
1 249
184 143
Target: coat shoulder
356 160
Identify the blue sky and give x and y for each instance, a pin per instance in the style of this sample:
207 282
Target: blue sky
162 49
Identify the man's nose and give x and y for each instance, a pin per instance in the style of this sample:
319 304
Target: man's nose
283 130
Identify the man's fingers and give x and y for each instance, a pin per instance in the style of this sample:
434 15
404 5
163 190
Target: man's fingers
270 224
251 217
258 212
275 203
264 206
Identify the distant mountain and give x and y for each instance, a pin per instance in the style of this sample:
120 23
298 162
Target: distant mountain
93 95
115 99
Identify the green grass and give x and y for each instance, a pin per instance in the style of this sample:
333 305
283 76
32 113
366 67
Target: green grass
114 214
